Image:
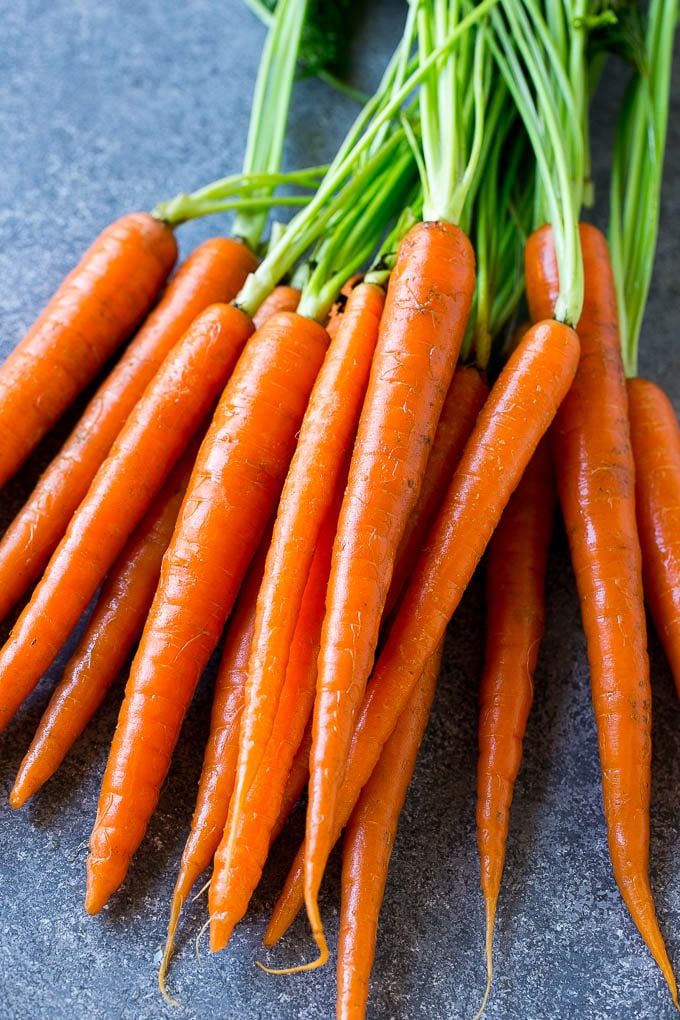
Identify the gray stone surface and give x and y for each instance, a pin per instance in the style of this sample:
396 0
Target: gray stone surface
107 107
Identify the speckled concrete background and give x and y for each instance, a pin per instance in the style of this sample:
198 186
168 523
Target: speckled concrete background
107 107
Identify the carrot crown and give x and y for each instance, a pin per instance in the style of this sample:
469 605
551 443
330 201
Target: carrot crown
637 174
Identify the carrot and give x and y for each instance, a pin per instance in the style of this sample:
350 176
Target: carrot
325 439
94 310
655 438
518 412
219 760
461 408
426 311
368 843
213 272
515 616
242 851
155 435
282 299
596 484
464 400
113 629
233 490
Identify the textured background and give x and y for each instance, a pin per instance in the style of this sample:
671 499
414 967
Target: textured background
107 107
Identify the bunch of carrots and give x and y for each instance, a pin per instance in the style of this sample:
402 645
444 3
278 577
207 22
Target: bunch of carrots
307 446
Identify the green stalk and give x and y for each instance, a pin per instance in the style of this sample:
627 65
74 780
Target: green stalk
452 116
335 193
637 175
546 83
357 235
271 102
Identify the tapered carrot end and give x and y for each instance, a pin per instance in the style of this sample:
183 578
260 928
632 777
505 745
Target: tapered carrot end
490 910
221 928
272 934
102 883
19 795
320 961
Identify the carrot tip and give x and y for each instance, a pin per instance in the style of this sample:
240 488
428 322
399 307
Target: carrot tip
98 892
321 960
221 928
18 797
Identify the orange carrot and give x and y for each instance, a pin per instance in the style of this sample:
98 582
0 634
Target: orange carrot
596 484
213 272
368 843
281 299
155 435
518 412
219 760
325 439
515 616
113 629
466 396
233 490
426 311
655 437
94 310
242 852
464 400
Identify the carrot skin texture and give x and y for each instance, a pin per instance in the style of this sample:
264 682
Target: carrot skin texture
326 436
655 437
426 311
515 617
212 273
154 437
248 833
282 299
94 310
596 486
113 629
216 781
519 410
368 843
464 401
233 491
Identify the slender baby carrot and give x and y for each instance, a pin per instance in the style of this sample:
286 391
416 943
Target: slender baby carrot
94 310
233 491
426 312
242 851
596 485
368 843
464 400
111 633
219 760
154 437
282 299
326 436
655 438
518 412
213 272
516 566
